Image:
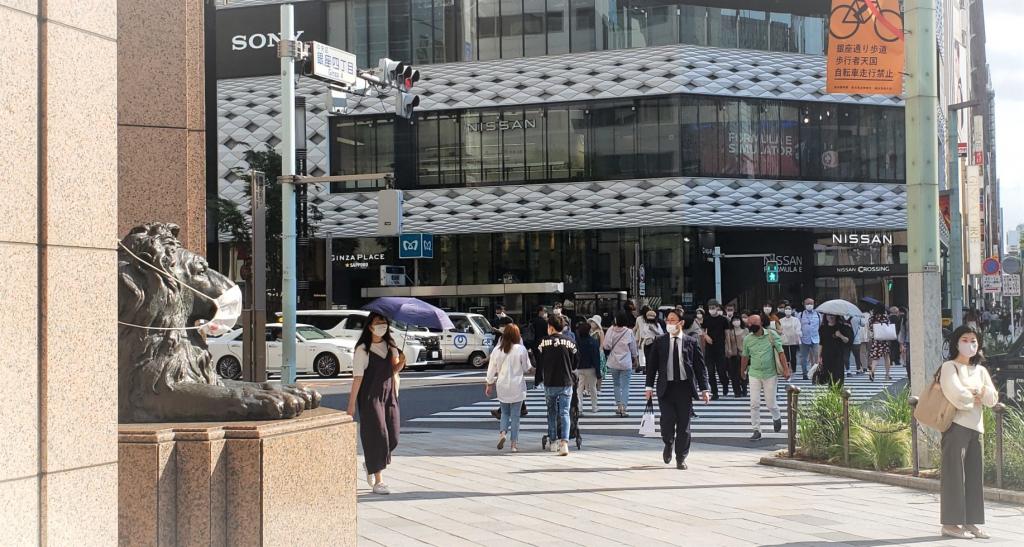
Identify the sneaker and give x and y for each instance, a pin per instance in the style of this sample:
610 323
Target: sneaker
496 413
756 436
381 488
777 425
501 441
515 448
805 376
553 447
369 477
563 448
624 413
666 454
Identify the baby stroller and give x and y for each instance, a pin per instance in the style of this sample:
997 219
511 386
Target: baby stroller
574 420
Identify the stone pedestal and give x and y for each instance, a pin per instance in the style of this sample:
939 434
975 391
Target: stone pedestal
286 482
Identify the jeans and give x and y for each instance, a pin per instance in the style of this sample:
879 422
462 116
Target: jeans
768 385
510 416
808 355
621 388
558 399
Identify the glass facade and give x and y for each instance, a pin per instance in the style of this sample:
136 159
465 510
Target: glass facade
623 139
445 31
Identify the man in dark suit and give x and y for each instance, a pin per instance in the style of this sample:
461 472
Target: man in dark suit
677 372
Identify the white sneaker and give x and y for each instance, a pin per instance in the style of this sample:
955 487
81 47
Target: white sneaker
563 448
553 447
381 488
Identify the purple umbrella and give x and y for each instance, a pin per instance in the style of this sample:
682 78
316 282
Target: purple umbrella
411 311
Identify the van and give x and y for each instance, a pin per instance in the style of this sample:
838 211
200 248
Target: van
424 346
471 341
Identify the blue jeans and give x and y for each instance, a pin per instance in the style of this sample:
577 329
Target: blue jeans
620 378
557 399
510 413
807 352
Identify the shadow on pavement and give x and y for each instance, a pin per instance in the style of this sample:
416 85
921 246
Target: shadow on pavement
437 495
860 543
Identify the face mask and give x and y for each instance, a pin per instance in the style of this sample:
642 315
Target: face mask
755 329
651 317
501 330
714 313
728 313
808 307
736 324
968 349
379 330
673 329
558 311
501 314
229 308
789 312
766 309
700 318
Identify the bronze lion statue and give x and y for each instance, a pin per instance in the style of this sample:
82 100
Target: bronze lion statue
165 372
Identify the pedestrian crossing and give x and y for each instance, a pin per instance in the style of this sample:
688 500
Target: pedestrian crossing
728 417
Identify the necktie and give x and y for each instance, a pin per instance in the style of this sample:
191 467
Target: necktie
675 360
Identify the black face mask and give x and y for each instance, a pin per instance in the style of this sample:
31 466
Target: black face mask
755 329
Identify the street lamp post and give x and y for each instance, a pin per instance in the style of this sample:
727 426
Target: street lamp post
956 236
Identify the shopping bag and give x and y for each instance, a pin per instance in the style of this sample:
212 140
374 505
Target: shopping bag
647 427
933 408
884 332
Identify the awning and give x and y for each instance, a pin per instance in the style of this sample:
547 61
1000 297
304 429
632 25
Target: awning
496 289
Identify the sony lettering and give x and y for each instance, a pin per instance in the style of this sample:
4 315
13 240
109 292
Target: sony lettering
241 42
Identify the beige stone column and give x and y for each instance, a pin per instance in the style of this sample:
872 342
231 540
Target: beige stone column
160 104
58 229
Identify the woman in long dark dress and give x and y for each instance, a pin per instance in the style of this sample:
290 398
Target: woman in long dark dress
835 336
375 366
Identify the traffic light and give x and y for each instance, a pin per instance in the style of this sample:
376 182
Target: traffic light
392 71
771 270
405 103
402 77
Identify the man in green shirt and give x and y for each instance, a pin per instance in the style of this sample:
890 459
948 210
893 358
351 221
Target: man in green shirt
760 349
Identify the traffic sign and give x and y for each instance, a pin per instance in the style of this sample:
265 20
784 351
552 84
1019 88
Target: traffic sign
331 63
1011 264
990 266
1011 285
992 284
416 246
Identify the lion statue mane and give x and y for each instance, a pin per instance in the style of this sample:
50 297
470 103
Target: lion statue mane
165 373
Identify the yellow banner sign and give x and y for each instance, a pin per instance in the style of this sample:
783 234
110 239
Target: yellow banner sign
865 48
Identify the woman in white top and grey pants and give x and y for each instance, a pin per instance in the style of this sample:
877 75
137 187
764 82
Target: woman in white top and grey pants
968 386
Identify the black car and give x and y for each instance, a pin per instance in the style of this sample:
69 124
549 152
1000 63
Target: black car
1008 369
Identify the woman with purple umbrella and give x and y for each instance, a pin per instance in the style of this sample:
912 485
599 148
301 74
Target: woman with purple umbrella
375 366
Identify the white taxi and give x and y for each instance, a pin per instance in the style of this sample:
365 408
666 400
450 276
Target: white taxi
316 352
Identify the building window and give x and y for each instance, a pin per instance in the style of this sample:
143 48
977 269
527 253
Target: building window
753 29
511 28
584 26
488 22
693 25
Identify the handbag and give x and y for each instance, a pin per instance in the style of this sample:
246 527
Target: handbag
884 332
933 408
647 427
780 369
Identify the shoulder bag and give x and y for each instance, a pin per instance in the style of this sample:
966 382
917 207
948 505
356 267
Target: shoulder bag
933 408
780 369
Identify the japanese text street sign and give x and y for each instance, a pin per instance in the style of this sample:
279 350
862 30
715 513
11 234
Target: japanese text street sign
865 47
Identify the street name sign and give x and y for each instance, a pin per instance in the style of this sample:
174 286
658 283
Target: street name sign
331 63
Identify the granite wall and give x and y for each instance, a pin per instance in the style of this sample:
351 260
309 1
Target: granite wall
58 230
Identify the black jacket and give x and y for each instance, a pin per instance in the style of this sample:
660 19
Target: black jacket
557 358
590 353
693 362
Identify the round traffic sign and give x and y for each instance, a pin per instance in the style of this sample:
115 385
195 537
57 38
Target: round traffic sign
990 266
1011 265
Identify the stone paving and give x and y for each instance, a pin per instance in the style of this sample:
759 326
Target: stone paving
450 487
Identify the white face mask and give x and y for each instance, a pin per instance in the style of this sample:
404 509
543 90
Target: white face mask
229 309
557 311
808 307
651 317
379 330
714 312
736 324
673 328
968 349
766 309
789 312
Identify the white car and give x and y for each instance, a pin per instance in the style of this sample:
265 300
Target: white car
422 346
471 341
316 352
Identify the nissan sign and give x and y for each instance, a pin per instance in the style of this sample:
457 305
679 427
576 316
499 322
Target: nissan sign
247 38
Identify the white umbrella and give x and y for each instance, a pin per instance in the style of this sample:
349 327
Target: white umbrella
838 307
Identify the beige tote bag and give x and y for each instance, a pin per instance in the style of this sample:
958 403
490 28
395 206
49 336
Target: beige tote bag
933 408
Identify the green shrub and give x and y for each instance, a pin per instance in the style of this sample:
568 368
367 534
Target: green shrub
1013 448
879 444
820 424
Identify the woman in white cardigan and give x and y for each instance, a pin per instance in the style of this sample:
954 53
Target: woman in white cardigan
968 387
507 369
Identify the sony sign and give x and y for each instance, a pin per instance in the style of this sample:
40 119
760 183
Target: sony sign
862 239
241 42
247 37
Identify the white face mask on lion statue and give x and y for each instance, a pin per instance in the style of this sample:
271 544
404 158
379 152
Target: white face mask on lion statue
165 373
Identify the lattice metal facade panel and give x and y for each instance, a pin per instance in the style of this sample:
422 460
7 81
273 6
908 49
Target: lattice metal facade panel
629 203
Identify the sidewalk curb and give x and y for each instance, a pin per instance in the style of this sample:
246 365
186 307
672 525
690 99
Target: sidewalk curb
906 481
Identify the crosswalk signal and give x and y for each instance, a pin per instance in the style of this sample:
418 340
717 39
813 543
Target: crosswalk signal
771 270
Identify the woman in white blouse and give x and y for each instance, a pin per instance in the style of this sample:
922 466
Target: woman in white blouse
968 386
507 369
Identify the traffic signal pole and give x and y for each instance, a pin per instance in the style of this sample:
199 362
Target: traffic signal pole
922 104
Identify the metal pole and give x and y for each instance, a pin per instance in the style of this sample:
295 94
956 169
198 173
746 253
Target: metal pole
289 290
846 427
1000 412
913 436
922 103
793 412
718 275
956 235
